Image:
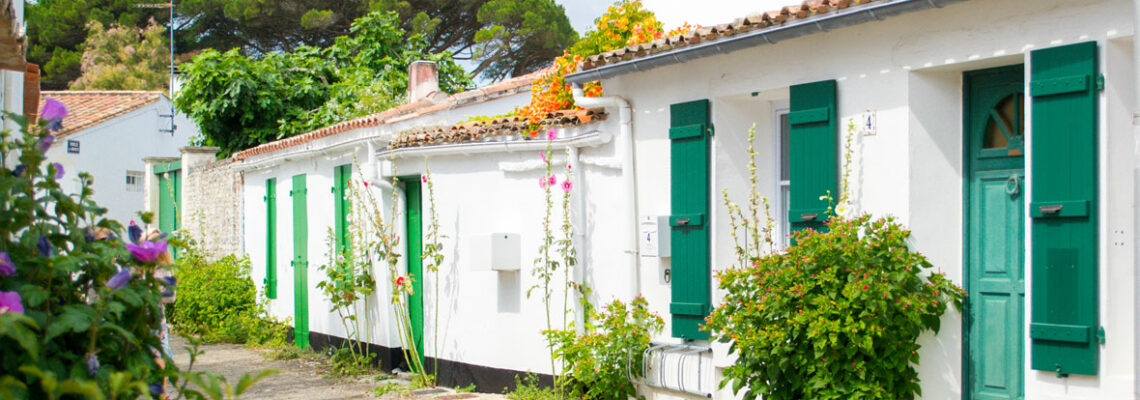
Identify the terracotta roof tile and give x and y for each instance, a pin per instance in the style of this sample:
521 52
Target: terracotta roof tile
89 108
749 23
497 129
403 112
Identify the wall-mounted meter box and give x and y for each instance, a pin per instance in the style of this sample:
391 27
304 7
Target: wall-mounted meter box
496 252
655 237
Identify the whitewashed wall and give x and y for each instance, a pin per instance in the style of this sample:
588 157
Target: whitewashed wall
908 69
110 149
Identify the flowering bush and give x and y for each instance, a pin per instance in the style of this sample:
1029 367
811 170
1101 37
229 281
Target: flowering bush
217 301
625 23
599 360
836 316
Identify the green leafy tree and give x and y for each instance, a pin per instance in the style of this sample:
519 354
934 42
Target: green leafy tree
520 36
239 101
124 58
57 30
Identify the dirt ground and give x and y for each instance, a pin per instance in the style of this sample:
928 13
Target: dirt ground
299 379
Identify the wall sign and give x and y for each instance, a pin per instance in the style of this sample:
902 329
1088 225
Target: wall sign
73 146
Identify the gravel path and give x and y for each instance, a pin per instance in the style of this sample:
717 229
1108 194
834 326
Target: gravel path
298 379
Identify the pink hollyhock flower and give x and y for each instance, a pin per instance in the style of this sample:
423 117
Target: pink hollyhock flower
400 281
542 155
423 178
551 134
542 182
552 180
566 186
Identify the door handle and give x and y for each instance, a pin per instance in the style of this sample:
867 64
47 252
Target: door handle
809 216
682 221
1053 209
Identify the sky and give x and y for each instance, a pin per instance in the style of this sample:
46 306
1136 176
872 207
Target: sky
673 13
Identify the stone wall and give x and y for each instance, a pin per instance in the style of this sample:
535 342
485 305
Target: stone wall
211 202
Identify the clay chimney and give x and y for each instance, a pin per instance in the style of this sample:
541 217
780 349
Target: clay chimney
423 80
32 92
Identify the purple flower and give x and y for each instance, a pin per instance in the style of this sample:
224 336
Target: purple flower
6 266
54 112
120 279
44 246
45 142
58 168
147 251
11 302
19 170
157 388
134 232
92 364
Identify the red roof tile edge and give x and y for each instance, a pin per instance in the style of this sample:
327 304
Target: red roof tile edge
749 23
410 110
138 99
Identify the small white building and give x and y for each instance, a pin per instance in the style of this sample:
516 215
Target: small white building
1002 133
108 134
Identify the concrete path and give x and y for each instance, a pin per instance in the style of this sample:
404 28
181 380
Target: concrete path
299 379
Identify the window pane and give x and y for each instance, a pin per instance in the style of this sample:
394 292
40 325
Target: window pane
784 149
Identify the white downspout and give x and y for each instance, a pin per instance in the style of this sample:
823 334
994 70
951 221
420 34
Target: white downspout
579 205
1136 167
629 178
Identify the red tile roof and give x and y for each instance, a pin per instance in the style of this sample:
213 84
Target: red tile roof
89 108
477 131
411 110
753 22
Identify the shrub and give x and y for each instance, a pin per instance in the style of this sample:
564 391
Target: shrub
836 316
599 360
528 388
217 301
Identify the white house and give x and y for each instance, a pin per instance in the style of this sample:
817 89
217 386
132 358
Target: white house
108 134
1001 133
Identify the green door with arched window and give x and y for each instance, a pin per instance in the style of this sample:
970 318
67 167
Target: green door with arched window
995 232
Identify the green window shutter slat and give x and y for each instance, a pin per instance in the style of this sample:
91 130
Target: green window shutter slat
689 156
341 177
271 238
813 154
1064 209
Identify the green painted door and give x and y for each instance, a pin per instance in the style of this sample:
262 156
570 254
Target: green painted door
169 196
300 262
414 221
995 248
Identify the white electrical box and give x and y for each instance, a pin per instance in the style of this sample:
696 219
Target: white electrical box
496 252
655 237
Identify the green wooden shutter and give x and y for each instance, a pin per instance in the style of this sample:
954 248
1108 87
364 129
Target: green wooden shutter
300 261
1064 209
813 154
341 176
271 238
689 132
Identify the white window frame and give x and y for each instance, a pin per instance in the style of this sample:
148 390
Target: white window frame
137 186
780 108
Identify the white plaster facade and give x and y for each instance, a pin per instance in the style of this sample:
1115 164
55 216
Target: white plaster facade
111 149
908 69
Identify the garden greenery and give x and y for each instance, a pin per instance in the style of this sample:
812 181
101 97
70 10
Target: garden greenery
600 359
239 102
217 302
837 315
348 281
80 305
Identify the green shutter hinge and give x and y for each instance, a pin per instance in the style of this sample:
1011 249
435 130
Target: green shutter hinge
1100 82
712 131
1100 335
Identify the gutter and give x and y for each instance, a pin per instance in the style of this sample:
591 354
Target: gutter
302 152
591 139
800 27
